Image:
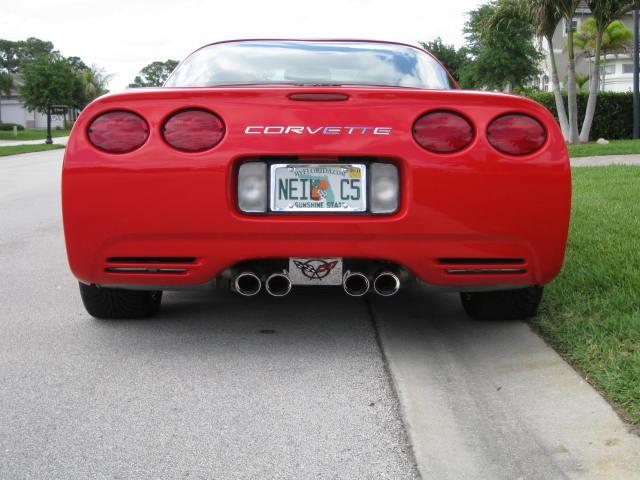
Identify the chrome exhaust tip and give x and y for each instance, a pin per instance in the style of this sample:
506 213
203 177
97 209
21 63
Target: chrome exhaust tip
278 284
247 284
355 284
386 284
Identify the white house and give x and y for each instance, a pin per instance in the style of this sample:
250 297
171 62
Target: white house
12 110
618 69
618 73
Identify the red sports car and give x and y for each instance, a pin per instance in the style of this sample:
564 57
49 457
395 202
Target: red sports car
274 164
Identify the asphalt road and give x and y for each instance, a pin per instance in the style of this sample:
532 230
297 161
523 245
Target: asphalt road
221 387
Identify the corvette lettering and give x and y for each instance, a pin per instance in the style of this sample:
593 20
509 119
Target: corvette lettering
330 130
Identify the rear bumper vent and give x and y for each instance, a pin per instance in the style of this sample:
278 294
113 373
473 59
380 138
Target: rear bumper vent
483 266
480 261
149 265
485 271
145 270
162 260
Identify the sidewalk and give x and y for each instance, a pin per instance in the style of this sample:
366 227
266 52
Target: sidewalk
12 143
605 160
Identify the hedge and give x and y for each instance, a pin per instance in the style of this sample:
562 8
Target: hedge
7 127
614 113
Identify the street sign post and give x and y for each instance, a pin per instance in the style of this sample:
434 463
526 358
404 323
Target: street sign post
636 75
53 110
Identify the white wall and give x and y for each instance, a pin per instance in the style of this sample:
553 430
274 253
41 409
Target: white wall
14 112
617 80
41 120
618 83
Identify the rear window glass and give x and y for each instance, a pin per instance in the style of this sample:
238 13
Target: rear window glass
309 63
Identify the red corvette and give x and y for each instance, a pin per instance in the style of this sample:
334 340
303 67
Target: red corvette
272 164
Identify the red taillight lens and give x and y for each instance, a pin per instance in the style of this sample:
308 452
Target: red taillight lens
443 132
118 131
193 130
516 134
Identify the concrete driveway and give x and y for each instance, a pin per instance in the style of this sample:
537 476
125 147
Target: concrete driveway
314 385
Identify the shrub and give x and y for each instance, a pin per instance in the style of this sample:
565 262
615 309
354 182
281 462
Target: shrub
9 126
614 112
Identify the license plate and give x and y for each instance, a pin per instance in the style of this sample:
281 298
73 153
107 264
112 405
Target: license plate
315 271
318 188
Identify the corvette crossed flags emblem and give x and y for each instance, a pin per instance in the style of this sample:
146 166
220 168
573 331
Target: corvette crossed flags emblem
315 269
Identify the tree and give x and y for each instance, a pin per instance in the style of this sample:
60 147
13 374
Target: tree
94 83
581 81
6 85
8 58
77 64
617 37
154 74
454 60
33 48
567 8
504 59
604 13
13 54
48 80
544 17
83 85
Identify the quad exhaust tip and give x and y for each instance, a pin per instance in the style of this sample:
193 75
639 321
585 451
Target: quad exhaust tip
355 284
386 284
278 284
247 284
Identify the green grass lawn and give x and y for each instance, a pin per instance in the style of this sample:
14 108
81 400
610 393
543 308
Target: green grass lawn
32 134
16 149
615 147
591 312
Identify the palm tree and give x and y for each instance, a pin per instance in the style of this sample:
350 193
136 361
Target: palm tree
581 81
545 17
567 10
6 85
604 13
94 82
617 38
585 39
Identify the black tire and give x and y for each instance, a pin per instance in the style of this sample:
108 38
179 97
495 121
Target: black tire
117 303
519 304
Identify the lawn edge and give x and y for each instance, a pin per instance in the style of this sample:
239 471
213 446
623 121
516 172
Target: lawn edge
622 414
54 146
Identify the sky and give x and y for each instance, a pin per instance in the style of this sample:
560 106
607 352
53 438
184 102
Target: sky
123 36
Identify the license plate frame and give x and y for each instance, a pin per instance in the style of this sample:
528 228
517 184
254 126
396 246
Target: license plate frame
334 174
316 271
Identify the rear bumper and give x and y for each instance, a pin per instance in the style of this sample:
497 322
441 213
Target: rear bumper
453 229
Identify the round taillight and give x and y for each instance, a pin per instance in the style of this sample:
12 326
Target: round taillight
193 130
516 134
443 132
118 131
